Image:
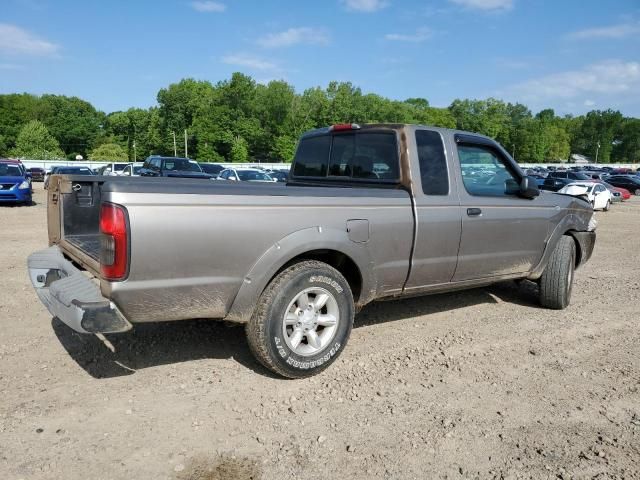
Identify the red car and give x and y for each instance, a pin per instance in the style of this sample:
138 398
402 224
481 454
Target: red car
626 194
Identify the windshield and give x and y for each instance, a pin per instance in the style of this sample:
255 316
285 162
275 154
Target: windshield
9 170
181 164
118 167
582 176
253 176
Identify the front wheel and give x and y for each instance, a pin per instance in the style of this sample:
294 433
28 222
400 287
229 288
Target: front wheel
607 206
302 321
556 281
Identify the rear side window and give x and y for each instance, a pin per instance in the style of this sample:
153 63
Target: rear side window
433 163
364 156
312 157
361 156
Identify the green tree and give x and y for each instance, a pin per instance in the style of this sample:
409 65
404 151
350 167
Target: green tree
34 141
599 132
239 152
75 123
109 151
627 148
284 148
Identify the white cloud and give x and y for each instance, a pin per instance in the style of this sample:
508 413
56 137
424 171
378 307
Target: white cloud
295 36
365 5
488 5
16 41
605 78
621 30
208 6
419 36
589 103
249 61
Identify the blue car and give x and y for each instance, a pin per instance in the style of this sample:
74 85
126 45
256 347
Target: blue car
15 186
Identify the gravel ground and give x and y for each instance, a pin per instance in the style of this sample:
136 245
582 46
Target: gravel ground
476 384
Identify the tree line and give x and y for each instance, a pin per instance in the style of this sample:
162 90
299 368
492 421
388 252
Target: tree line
239 120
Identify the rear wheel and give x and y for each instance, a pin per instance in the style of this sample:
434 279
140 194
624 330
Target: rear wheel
302 321
556 281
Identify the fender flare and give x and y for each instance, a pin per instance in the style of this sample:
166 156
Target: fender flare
290 247
569 224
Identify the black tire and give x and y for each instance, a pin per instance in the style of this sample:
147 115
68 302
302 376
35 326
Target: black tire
556 281
607 206
265 332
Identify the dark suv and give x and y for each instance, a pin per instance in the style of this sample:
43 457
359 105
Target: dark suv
570 175
630 182
155 166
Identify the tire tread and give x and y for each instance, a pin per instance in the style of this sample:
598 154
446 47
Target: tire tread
553 289
256 327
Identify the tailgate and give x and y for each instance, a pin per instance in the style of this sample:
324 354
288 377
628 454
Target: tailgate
73 214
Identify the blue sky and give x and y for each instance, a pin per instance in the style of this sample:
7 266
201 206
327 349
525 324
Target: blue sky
571 55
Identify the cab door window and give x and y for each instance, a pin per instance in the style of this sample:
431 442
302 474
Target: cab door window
485 173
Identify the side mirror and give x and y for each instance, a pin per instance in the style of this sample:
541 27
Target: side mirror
529 187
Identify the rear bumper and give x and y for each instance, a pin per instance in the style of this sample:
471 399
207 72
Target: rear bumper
586 241
71 296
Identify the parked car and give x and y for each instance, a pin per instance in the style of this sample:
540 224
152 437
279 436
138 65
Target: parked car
176 167
553 184
631 183
622 192
37 174
47 175
622 171
245 175
595 193
132 170
279 175
212 169
572 175
15 185
113 168
296 260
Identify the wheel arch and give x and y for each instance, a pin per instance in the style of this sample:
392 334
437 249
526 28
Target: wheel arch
330 246
572 226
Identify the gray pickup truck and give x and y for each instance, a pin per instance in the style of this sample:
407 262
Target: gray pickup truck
370 212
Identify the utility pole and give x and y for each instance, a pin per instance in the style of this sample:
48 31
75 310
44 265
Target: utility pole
135 156
186 152
597 150
175 148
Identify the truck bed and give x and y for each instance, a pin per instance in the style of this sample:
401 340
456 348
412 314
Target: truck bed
88 244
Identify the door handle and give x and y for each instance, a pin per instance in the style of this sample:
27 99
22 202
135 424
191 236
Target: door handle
474 212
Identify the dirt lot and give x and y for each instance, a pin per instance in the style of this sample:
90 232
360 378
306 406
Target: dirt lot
481 383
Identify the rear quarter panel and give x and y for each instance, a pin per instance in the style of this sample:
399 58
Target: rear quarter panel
191 254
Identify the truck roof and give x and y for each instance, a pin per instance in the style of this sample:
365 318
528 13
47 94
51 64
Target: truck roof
388 126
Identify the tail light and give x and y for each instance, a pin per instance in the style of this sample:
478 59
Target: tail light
114 242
